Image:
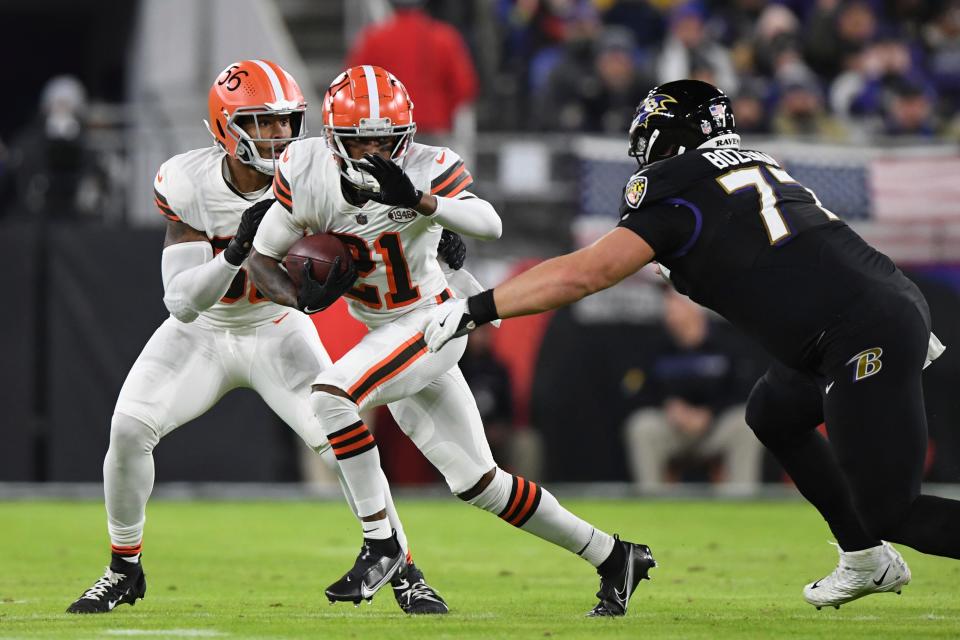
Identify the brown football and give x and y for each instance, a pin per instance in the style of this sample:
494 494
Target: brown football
321 249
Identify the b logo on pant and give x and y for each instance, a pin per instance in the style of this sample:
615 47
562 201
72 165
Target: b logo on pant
867 363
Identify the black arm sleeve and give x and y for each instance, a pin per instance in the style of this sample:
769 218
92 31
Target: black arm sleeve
667 227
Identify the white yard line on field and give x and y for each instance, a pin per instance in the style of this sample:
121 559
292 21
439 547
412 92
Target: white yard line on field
178 633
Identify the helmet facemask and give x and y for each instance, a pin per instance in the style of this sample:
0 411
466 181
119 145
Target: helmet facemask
368 128
653 143
247 151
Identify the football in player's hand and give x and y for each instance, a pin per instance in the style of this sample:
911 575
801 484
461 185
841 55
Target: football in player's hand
321 249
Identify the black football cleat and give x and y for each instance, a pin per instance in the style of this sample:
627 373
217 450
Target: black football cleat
114 588
616 590
413 594
371 570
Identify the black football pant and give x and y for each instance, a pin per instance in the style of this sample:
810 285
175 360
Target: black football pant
864 481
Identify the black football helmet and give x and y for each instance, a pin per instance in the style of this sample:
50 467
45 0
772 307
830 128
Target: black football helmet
681 115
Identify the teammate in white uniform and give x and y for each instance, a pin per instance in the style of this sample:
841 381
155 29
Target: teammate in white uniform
222 333
389 199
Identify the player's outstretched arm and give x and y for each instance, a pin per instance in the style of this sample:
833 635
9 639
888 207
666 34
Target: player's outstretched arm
549 285
563 280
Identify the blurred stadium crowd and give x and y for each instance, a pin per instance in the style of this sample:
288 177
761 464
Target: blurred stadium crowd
842 71
848 72
839 70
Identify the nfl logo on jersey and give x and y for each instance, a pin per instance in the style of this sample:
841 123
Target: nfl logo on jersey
361 218
636 189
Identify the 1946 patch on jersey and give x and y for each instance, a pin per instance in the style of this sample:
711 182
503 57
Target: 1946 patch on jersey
402 215
636 189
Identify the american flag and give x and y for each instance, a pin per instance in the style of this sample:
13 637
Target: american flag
915 189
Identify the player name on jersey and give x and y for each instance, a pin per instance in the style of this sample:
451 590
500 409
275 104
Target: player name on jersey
723 158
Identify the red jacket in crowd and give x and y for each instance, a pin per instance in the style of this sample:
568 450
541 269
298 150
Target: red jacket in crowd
429 57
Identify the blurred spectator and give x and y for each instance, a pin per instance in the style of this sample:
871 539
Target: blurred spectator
734 21
750 109
531 25
910 15
428 56
909 110
517 449
534 32
54 171
870 74
777 40
603 97
700 411
690 48
801 112
572 56
640 17
835 30
942 37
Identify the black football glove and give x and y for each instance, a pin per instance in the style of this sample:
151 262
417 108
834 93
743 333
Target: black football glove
395 186
451 249
314 296
242 240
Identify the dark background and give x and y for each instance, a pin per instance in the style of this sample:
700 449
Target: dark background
81 301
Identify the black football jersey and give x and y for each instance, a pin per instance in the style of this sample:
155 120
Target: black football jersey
741 237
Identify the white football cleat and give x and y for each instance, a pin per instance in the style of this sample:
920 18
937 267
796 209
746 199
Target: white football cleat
875 570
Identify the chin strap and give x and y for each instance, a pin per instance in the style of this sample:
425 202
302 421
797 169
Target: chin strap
248 154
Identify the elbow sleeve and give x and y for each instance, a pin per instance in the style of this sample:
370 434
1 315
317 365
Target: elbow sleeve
470 216
193 279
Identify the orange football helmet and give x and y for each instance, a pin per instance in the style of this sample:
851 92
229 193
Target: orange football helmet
254 88
367 102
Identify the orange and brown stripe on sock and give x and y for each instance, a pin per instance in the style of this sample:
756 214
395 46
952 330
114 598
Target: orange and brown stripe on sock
352 441
126 551
522 503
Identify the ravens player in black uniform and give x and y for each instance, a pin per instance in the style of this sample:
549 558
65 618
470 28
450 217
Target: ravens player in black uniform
850 334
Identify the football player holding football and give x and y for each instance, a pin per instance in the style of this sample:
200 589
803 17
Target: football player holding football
222 333
849 333
389 199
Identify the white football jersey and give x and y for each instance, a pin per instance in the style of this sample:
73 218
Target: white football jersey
394 248
191 188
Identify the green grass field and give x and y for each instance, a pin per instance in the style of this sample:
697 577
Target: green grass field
258 570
